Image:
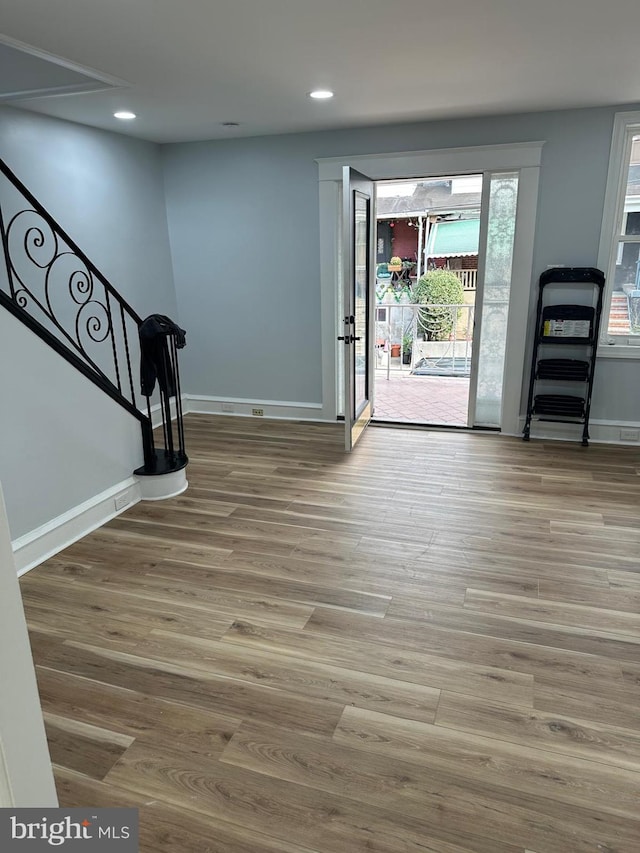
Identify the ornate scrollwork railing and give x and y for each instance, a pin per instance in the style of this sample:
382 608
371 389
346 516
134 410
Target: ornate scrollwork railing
56 285
52 286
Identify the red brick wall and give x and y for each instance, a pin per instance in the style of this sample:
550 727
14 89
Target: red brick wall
470 263
404 240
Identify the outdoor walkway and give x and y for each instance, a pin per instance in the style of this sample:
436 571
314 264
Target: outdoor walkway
421 399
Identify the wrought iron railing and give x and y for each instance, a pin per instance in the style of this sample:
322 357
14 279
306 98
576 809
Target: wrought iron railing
51 286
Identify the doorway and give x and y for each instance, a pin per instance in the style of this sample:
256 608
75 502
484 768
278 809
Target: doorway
427 252
510 180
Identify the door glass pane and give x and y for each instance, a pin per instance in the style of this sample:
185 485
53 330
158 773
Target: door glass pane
361 286
501 227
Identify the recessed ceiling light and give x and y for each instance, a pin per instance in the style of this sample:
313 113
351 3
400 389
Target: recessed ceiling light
125 115
321 94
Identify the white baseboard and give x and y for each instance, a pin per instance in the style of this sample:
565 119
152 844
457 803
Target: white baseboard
600 431
38 545
241 407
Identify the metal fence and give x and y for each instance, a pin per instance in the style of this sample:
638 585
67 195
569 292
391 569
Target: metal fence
424 339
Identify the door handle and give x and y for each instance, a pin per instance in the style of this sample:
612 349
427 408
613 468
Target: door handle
348 339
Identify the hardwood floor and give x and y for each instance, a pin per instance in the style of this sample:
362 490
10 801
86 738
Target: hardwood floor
429 646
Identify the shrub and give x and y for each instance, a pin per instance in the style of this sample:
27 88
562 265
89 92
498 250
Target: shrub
438 287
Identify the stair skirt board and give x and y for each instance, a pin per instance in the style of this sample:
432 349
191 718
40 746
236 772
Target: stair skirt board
159 487
38 545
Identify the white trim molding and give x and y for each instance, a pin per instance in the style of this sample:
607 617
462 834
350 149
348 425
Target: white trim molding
242 407
609 347
38 545
619 351
435 162
97 81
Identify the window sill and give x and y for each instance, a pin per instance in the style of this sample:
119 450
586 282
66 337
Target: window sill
618 351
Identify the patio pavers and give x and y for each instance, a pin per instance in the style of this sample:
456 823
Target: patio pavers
404 398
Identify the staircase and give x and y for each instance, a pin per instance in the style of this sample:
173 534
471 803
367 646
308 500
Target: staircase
52 287
619 316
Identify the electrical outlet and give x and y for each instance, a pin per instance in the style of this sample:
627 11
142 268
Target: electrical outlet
228 407
257 412
629 435
122 500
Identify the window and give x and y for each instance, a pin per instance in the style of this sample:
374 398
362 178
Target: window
619 255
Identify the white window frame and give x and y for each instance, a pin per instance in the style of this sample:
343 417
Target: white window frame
625 126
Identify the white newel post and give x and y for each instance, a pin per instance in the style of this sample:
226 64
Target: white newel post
26 777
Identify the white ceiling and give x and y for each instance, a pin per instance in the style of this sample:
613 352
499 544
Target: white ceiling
193 64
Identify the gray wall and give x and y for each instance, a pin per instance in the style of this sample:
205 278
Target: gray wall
107 191
63 440
243 224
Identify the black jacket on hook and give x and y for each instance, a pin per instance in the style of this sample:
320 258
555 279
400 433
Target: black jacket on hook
155 362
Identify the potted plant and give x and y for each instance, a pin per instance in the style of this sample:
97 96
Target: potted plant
407 347
395 264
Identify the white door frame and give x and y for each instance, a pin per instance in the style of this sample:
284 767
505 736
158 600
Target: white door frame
26 777
522 157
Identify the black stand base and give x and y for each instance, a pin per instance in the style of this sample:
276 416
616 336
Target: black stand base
164 463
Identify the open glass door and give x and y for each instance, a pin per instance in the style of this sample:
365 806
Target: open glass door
359 289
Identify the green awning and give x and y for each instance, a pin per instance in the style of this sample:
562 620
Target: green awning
454 239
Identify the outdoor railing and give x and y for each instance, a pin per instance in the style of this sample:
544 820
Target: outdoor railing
424 339
469 278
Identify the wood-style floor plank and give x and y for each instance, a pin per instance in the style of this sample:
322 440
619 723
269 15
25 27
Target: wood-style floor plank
441 797
312 816
597 620
581 738
83 747
431 645
492 760
504 643
303 676
135 714
229 577
399 662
